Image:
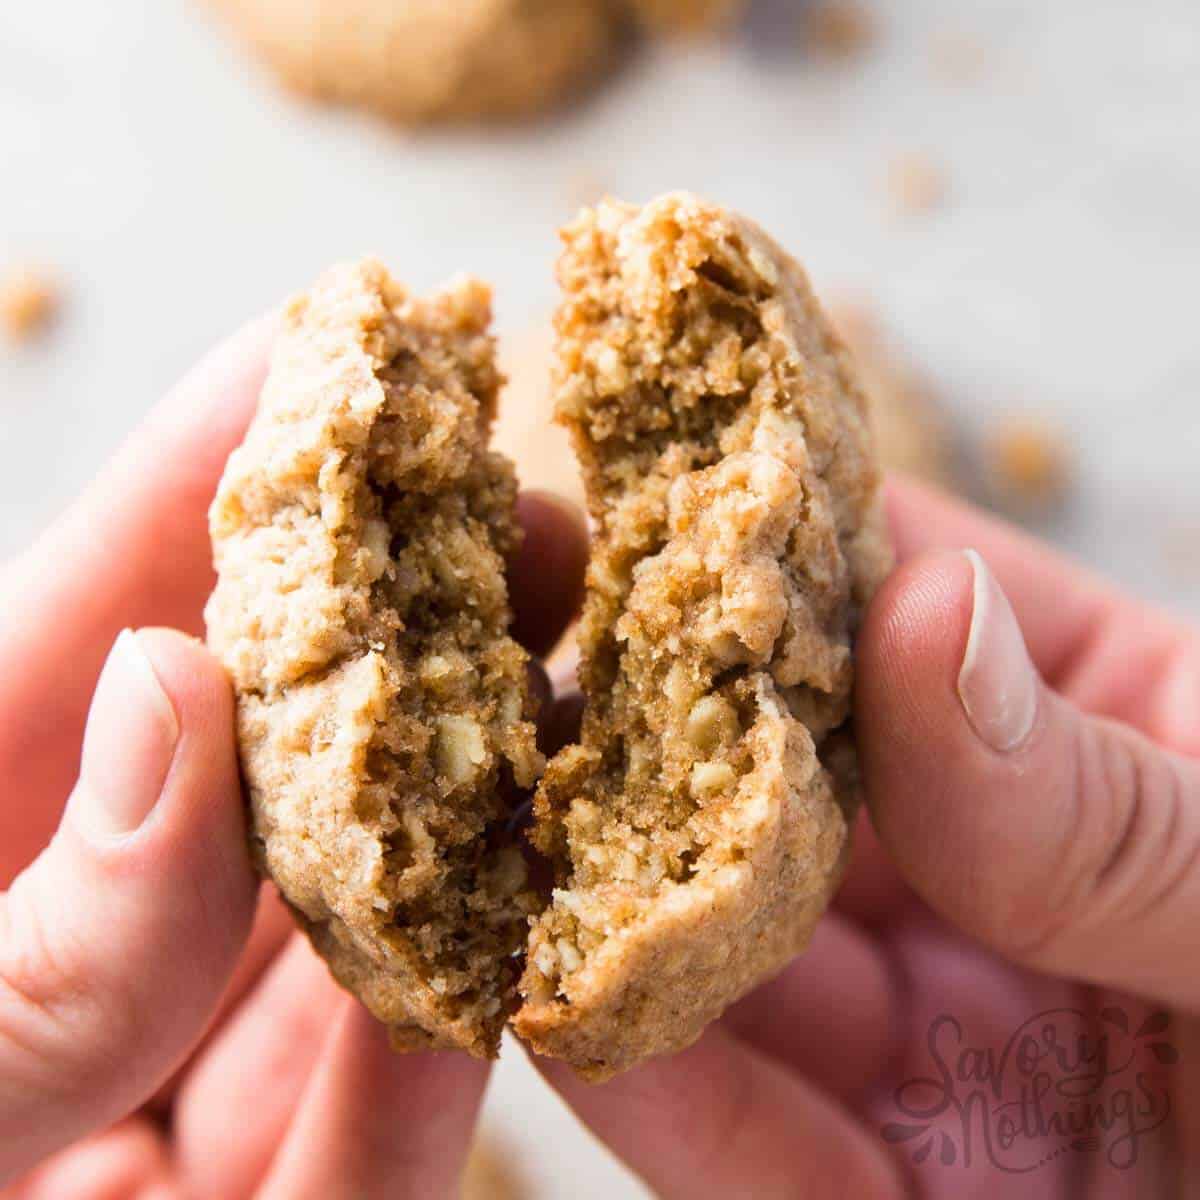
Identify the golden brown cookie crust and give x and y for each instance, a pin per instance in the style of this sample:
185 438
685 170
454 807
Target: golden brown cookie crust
360 535
428 60
699 828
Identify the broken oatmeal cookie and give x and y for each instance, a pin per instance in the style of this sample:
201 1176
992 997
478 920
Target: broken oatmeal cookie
700 826
384 718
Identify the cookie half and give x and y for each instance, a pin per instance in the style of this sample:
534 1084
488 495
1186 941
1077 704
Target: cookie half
699 828
360 535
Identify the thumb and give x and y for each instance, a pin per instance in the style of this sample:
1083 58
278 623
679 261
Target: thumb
1067 842
115 944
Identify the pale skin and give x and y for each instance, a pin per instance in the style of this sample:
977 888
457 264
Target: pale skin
1032 844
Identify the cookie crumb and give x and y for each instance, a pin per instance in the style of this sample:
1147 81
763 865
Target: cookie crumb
838 29
1027 464
916 185
29 300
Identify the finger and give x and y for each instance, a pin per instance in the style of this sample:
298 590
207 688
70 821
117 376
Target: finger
374 1123
873 893
132 551
722 1120
560 726
835 1016
271 929
129 1160
275 1036
1067 842
117 942
964 1000
1081 632
547 576
147 510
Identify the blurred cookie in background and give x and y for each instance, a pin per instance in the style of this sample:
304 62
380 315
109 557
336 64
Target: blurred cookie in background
837 30
1021 465
688 16
424 61
913 433
416 61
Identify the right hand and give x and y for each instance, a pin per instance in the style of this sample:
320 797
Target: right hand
1028 738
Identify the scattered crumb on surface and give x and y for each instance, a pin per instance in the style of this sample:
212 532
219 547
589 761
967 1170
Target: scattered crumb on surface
838 29
493 1172
1027 464
956 58
29 300
916 185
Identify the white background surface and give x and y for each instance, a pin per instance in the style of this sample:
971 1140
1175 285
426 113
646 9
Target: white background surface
179 194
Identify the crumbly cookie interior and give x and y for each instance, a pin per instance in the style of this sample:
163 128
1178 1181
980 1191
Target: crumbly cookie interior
723 584
384 714
442 770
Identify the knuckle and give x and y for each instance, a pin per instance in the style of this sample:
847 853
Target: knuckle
59 1021
1134 838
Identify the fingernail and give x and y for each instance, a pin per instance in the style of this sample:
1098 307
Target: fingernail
997 684
130 740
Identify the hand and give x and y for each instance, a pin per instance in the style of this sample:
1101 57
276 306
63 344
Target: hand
1028 739
127 950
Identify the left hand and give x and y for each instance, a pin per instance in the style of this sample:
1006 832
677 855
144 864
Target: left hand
156 1038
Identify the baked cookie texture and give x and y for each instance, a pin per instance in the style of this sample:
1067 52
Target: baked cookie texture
425 60
384 718
700 826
